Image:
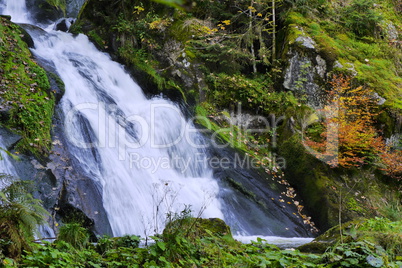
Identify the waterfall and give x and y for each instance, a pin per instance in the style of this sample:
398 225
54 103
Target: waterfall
142 152
6 165
145 156
17 9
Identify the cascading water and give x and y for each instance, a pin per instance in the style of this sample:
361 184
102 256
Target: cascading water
6 165
17 9
147 159
137 149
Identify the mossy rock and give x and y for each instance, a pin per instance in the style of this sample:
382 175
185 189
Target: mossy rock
27 97
379 231
312 179
197 228
330 238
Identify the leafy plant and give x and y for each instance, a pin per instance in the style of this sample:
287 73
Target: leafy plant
20 214
356 254
74 234
361 17
128 241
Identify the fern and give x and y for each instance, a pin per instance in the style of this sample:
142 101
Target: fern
20 213
74 234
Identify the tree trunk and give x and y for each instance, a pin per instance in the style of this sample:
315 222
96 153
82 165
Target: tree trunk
273 32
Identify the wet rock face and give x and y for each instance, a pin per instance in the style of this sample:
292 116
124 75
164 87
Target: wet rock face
64 24
79 197
42 12
67 195
73 7
299 77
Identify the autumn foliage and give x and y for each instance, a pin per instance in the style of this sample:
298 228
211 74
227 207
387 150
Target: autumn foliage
392 161
349 138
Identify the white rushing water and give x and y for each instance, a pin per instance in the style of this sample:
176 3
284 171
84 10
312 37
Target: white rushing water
6 165
17 9
141 151
282 242
146 157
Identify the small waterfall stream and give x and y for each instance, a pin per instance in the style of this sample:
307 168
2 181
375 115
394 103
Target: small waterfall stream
6 165
146 157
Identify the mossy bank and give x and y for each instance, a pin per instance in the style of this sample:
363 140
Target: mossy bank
27 101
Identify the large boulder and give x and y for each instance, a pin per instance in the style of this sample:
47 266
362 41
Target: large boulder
306 70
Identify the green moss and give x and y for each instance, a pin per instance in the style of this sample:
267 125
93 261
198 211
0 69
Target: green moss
94 37
353 205
58 4
170 84
238 186
197 227
60 84
379 231
376 62
25 91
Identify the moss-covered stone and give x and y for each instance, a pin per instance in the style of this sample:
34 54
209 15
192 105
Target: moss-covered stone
197 228
334 195
25 92
379 231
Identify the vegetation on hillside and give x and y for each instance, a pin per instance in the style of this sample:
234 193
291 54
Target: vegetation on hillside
194 242
354 141
227 57
27 103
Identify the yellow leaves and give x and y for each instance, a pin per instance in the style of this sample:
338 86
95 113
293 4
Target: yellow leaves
223 24
252 9
138 10
355 141
207 30
259 15
392 161
226 22
160 24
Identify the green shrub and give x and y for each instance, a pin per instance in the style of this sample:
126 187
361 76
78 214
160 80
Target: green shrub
128 241
361 17
20 213
74 234
356 254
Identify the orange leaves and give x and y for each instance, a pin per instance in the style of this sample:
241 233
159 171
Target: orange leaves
392 160
349 138
352 139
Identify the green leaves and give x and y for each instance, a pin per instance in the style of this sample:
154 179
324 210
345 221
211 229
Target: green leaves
20 214
374 261
361 17
74 234
356 254
161 245
173 3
